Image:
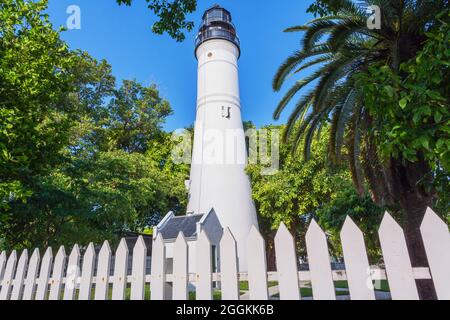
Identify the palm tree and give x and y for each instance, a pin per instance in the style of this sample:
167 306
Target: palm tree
340 46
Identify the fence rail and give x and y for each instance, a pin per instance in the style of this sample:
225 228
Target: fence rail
89 276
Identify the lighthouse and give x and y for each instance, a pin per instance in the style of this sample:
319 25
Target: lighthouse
217 179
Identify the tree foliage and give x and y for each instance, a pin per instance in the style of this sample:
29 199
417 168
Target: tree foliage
172 16
303 190
36 114
81 160
385 105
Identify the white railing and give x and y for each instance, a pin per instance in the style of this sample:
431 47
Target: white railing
60 277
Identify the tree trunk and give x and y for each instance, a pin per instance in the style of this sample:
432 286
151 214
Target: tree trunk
270 252
407 181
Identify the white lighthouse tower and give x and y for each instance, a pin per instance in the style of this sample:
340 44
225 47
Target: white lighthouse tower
218 180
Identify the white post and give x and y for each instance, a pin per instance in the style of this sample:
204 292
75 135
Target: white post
87 273
138 270
286 259
180 268
104 261
257 270
72 274
356 262
396 258
204 268
228 267
319 263
8 278
20 276
120 271
30 281
57 276
44 275
436 240
158 276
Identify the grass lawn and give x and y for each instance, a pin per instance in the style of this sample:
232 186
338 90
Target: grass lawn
307 292
243 285
381 285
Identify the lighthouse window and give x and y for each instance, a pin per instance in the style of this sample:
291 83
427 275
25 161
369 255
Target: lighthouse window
226 112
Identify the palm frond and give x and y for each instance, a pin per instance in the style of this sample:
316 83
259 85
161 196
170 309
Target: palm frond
293 61
319 60
296 29
299 112
345 114
340 34
295 89
315 32
354 151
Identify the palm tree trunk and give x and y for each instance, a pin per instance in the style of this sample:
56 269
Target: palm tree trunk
414 200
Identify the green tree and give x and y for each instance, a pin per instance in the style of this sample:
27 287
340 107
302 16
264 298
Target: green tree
172 16
342 47
81 160
35 86
301 190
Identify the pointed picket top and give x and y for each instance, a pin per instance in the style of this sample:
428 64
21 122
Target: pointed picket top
120 271
435 237
204 268
20 276
72 273
229 266
180 268
2 264
158 277
138 273
44 275
396 259
30 280
8 277
286 260
257 268
57 276
87 272
104 263
319 263
356 262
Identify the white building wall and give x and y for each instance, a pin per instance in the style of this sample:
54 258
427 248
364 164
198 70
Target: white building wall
218 179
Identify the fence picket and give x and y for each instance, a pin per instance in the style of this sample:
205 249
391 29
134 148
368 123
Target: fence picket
2 264
72 274
180 268
356 262
87 273
8 277
30 281
20 276
436 237
286 260
319 263
139 260
120 271
257 269
57 276
228 266
204 268
104 263
158 277
398 266
44 275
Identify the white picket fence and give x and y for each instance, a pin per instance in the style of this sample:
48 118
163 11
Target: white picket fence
49 278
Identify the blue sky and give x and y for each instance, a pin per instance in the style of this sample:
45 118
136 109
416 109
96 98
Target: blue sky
122 35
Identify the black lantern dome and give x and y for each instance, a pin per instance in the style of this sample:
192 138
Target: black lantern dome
217 24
